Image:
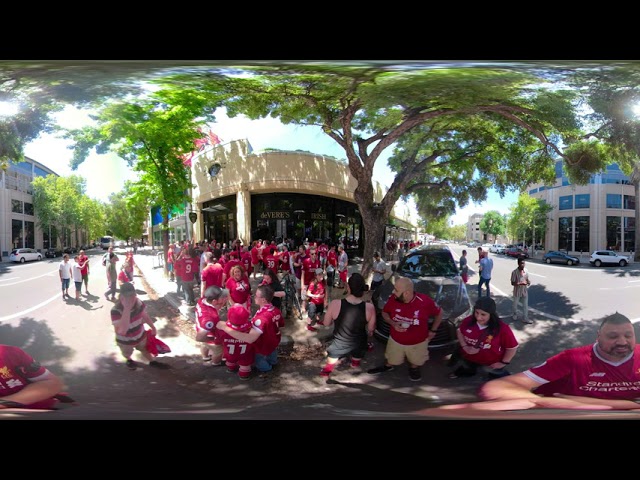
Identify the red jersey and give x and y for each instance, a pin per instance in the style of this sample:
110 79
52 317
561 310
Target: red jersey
309 269
17 370
230 264
323 250
245 258
414 316
189 269
285 266
491 347
236 351
239 291
83 260
581 371
271 262
268 321
206 319
317 288
255 255
123 277
332 258
212 275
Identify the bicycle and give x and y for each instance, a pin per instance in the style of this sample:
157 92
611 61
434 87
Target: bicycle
290 302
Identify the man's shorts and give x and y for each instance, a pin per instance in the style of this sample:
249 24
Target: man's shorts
396 353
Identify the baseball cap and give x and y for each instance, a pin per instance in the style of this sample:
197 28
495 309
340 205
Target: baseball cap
127 290
319 271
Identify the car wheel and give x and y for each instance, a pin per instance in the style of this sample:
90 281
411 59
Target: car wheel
22 260
623 263
569 262
548 260
597 263
39 257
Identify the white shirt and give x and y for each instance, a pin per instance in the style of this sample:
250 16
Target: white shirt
65 269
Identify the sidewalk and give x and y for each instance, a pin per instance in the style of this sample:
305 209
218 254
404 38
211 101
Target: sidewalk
294 332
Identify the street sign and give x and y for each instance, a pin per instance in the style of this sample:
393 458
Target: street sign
193 216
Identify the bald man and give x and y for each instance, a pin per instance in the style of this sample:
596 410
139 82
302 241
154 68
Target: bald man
408 314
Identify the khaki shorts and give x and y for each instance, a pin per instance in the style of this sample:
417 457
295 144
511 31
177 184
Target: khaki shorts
416 354
216 350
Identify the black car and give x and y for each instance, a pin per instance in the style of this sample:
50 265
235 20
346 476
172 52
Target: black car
52 253
553 256
434 272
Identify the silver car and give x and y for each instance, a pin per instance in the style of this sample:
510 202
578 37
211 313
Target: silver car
25 255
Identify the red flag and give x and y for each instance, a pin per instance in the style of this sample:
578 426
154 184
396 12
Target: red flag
186 159
213 138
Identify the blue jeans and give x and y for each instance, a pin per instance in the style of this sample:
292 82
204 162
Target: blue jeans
65 284
265 363
480 283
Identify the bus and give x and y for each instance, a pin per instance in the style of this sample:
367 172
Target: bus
106 242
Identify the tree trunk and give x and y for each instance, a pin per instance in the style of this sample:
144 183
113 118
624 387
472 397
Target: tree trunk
374 227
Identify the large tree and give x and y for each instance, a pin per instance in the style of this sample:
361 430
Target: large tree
455 132
152 135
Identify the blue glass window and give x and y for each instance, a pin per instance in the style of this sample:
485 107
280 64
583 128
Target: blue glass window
566 202
582 201
614 200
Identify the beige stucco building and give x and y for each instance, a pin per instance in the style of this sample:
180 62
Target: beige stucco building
268 195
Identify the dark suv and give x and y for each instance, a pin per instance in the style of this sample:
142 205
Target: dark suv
434 272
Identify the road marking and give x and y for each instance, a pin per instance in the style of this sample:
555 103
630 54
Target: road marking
8 279
35 307
30 278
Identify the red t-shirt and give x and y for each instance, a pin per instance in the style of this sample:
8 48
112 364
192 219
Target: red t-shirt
309 269
332 258
317 288
17 370
189 268
271 262
239 291
212 275
285 266
491 347
206 319
268 320
580 371
236 351
415 315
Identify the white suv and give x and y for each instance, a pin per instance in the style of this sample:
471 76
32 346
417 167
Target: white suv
604 257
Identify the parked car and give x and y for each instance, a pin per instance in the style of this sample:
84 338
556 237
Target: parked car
553 256
52 253
608 257
516 252
498 248
434 272
25 255
70 250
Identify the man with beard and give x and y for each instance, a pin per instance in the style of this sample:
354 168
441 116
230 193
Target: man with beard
408 313
601 376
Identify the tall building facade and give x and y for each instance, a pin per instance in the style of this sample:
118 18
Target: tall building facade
599 215
18 225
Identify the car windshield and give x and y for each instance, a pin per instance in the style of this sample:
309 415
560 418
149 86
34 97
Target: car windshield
429 264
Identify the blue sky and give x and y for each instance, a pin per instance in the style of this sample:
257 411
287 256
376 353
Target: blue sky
106 174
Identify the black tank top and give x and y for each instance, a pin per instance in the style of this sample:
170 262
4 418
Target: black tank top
351 323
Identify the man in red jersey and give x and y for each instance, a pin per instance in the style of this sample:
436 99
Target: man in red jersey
271 259
211 273
285 260
83 261
24 383
308 272
256 256
245 258
207 317
265 333
187 266
601 376
408 313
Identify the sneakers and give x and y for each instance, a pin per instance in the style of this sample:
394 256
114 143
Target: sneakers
527 321
414 374
380 369
244 375
131 365
233 369
159 365
206 359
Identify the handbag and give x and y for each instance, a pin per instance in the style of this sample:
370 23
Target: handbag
155 346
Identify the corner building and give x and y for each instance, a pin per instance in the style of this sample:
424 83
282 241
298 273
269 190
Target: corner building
599 215
281 194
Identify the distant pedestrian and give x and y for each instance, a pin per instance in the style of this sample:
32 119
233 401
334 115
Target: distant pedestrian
343 265
76 274
84 269
65 272
112 274
520 281
318 300
464 267
379 268
486 267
